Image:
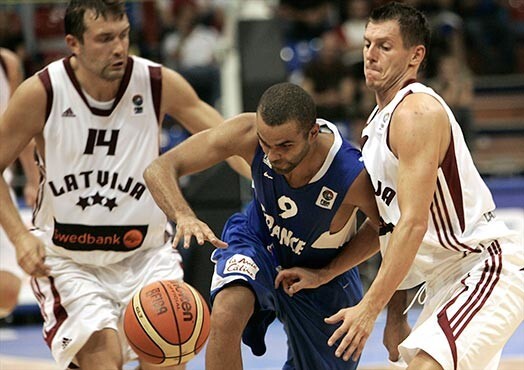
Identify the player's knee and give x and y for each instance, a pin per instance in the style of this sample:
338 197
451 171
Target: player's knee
102 351
9 289
232 309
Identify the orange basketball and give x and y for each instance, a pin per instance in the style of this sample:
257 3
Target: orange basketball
167 322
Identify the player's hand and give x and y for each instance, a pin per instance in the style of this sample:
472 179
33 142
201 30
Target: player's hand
30 254
357 325
189 226
395 331
295 279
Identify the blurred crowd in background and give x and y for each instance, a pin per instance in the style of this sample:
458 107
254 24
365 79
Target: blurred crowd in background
321 47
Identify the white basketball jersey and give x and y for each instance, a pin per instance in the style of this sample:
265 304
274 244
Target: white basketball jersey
461 215
95 207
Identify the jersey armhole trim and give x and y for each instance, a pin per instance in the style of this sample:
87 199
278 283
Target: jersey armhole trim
46 81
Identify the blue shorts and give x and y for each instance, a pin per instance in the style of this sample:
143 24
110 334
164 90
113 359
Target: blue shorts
248 261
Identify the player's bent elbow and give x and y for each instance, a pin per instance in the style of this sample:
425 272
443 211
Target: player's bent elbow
151 172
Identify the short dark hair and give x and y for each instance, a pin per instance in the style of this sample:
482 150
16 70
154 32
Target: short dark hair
285 102
414 26
74 16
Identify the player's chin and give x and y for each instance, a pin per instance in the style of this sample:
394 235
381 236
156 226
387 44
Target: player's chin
283 170
114 74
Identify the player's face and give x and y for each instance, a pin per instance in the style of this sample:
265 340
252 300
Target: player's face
386 60
105 46
285 145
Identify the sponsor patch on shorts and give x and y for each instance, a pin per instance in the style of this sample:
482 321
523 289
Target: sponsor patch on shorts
240 264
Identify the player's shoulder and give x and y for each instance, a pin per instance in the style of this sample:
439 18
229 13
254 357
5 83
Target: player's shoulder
419 106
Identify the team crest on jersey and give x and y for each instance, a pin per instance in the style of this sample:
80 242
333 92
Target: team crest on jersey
326 198
384 122
138 101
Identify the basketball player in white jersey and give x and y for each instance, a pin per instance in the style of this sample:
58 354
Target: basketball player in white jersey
99 237
11 274
439 225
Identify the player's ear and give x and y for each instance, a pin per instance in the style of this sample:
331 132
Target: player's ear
72 43
419 52
314 131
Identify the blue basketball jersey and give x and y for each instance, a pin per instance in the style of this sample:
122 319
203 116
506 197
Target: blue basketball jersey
296 221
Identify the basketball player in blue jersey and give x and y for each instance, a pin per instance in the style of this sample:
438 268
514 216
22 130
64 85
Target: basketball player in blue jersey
99 236
308 184
441 228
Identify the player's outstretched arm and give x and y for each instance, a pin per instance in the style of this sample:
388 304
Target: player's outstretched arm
419 154
18 125
236 136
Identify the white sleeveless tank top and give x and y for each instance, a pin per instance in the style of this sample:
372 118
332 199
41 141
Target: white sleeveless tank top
95 207
461 216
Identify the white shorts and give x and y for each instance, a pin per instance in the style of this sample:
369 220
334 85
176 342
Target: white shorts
465 324
78 300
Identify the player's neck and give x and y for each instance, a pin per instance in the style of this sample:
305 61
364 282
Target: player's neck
385 96
98 88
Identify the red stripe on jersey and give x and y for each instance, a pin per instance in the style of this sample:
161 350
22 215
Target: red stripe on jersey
448 219
437 214
451 174
46 81
155 74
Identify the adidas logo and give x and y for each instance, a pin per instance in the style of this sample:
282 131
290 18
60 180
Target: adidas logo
68 113
65 342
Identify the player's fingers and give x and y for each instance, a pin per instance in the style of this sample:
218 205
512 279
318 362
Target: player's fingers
44 269
187 238
359 349
282 274
352 346
295 287
333 319
217 243
346 344
199 235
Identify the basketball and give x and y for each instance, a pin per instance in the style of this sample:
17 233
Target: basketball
167 322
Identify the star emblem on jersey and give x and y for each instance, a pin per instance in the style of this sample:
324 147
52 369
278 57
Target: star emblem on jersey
95 199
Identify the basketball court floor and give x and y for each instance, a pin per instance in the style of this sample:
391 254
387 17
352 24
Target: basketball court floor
22 347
